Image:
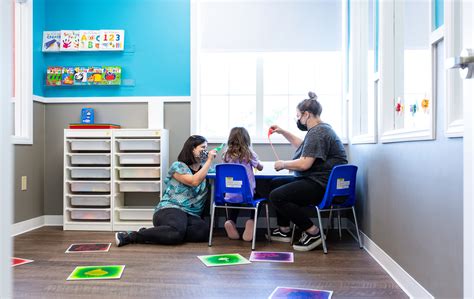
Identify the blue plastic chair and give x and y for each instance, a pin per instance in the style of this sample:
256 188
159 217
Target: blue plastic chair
233 179
339 195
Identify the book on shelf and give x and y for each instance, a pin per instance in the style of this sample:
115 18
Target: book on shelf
68 75
89 40
112 40
70 40
54 75
51 41
93 126
94 75
112 75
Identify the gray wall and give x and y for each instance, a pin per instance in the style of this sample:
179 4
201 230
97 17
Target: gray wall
410 203
29 161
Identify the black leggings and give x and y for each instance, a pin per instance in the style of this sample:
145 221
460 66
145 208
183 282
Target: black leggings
290 195
174 226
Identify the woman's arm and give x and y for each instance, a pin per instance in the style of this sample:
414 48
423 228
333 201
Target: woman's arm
292 138
194 180
301 164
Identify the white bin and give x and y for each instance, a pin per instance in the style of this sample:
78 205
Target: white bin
139 158
85 214
139 186
90 186
139 144
90 173
136 213
90 159
139 172
90 201
90 145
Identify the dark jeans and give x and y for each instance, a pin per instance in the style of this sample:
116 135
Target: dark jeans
174 226
291 196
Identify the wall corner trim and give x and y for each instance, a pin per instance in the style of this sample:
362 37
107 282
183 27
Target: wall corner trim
406 282
130 99
34 223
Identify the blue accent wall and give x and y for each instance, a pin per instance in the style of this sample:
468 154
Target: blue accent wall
157 45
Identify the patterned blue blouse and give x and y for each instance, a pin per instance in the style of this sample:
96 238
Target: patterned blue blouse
181 196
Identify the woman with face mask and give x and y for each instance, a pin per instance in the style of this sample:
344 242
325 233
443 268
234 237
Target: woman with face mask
177 217
315 156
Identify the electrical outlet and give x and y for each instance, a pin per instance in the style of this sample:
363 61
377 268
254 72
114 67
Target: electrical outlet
24 183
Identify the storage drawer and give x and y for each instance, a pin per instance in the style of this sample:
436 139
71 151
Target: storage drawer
90 201
139 158
90 159
90 173
90 186
136 213
85 214
139 186
139 172
139 144
90 145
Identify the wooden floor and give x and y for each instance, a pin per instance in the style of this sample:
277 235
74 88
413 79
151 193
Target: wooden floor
154 271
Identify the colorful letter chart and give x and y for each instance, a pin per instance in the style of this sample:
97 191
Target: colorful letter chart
89 40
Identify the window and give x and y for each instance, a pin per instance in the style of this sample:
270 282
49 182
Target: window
363 69
253 74
22 72
407 95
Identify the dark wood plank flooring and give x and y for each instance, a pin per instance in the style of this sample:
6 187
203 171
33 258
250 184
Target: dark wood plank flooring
154 271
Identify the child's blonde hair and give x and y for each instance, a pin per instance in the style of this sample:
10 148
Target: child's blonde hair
238 146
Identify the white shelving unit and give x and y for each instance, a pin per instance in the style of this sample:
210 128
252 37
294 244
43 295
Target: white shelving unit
113 178
87 180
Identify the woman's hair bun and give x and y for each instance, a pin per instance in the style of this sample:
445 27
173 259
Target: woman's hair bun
312 95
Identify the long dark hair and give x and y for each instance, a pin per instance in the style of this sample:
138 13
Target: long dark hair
311 105
238 145
186 155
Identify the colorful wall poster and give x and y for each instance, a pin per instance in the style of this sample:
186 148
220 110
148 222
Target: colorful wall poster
51 41
70 40
54 75
112 40
89 40
112 75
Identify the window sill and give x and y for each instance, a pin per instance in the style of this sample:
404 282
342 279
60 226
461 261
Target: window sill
17 140
364 139
455 129
403 135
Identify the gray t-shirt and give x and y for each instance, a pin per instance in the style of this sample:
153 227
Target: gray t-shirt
321 143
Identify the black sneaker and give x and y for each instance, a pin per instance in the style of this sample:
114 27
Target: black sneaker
308 242
279 236
141 228
122 239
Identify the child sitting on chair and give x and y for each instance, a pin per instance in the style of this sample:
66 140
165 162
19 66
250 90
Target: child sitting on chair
239 151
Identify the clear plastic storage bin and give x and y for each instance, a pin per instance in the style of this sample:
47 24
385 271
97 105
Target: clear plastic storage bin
138 144
85 214
84 186
90 201
90 159
139 172
139 158
139 186
90 173
136 213
90 145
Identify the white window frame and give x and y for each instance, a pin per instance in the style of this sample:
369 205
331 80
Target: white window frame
195 85
359 76
23 126
387 68
454 119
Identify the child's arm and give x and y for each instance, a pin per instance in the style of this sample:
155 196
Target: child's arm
255 161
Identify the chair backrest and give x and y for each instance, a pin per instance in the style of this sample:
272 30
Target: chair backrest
232 179
340 190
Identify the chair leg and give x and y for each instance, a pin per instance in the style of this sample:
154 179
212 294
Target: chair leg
330 221
268 222
255 227
213 209
357 228
323 237
293 234
339 224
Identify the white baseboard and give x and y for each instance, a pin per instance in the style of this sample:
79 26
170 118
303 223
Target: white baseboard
34 223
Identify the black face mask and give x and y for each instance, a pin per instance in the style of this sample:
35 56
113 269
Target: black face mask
301 126
203 155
